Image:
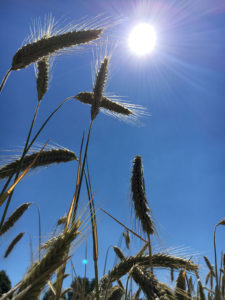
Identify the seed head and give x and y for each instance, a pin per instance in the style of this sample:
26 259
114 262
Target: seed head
141 207
99 87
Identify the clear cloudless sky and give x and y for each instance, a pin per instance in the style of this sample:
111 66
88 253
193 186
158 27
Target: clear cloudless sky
182 144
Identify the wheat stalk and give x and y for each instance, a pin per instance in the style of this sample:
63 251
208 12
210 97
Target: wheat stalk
45 158
13 244
14 218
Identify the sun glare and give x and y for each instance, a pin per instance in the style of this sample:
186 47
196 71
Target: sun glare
142 39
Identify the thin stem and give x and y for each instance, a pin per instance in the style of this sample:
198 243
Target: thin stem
31 250
46 121
124 225
39 229
4 79
128 278
215 253
106 257
94 234
85 266
71 209
150 254
82 172
217 284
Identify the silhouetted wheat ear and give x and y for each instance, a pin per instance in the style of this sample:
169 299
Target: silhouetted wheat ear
180 289
146 281
115 293
98 89
55 256
209 265
141 207
45 158
159 260
113 106
126 236
50 242
42 77
119 252
201 291
190 286
35 51
14 217
13 244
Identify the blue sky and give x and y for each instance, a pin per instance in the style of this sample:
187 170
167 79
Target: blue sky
182 86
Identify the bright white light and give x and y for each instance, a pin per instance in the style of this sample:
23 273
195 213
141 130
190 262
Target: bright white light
142 39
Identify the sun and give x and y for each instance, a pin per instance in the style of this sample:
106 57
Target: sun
142 39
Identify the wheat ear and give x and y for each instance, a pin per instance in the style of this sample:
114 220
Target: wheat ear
201 291
115 293
141 207
56 255
146 281
99 87
209 265
126 236
119 252
113 106
42 77
159 260
180 289
14 217
35 51
13 244
45 158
